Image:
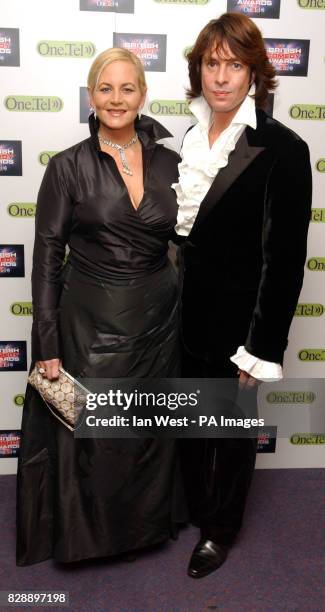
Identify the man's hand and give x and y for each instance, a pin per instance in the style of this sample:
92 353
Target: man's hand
50 368
246 381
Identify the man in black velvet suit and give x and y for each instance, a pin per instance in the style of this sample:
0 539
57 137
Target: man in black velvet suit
244 197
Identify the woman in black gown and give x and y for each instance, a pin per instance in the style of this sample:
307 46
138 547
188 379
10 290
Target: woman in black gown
110 312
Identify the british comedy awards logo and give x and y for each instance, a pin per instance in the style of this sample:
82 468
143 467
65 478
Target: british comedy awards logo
112 6
9 47
269 9
12 261
10 158
9 443
289 57
150 48
13 356
266 440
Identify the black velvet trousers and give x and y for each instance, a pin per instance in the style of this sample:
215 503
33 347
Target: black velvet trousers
217 471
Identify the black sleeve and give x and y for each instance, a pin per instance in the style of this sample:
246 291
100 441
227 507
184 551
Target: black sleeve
52 227
284 241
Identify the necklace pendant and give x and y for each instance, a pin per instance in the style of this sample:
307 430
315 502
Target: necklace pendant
125 165
127 171
121 149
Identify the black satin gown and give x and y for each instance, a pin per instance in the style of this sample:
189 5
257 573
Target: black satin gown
113 312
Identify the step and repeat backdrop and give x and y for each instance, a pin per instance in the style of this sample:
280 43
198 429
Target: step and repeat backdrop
46 49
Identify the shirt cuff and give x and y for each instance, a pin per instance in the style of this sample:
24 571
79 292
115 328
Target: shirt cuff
258 368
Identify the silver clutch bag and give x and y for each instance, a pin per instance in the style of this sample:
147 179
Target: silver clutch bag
65 397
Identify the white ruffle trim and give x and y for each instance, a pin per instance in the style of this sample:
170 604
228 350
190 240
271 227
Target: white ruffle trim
260 369
200 165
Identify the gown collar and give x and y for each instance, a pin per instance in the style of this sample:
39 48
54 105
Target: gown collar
149 130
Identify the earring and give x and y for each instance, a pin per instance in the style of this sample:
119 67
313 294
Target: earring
139 113
93 110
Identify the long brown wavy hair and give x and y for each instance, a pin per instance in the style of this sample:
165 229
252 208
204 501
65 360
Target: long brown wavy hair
245 41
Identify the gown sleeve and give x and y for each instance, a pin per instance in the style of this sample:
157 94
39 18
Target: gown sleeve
52 229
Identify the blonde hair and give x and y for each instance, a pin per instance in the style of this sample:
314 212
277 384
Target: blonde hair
115 54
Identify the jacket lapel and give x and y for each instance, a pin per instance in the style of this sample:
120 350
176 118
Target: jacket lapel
239 159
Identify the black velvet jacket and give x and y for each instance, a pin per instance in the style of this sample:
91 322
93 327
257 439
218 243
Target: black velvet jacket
244 258
83 202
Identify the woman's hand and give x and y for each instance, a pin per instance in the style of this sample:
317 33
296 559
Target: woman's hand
246 381
50 368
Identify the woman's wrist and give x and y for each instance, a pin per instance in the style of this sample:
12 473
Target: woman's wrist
49 368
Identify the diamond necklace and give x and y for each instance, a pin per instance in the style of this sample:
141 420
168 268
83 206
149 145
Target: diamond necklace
121 148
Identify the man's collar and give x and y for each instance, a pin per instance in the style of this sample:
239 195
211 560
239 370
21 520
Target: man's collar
246 114
202 111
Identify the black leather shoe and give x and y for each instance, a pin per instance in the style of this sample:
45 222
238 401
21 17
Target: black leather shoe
207 557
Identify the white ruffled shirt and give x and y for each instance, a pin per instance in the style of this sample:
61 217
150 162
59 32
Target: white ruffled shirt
199 166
